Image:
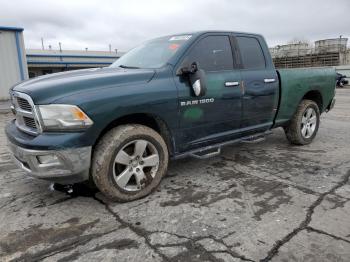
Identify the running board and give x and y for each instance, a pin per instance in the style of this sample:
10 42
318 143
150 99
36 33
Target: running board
214 150
254 139
206 153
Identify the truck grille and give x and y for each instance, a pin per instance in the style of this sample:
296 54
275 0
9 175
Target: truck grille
25 114
29 122
24 104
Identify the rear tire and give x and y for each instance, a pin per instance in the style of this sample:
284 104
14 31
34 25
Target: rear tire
303 127
129 162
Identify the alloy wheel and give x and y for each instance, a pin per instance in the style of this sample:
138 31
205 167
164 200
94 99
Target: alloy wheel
308 122
135 165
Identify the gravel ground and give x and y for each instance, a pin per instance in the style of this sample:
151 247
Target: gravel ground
254 202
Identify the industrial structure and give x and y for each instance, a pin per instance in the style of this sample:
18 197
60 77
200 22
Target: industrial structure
13 64
42 62
328 52
18 64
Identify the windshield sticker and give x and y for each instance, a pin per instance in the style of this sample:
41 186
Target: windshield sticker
180 38
174 46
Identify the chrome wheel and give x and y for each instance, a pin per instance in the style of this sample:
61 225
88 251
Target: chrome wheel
308 122
135 165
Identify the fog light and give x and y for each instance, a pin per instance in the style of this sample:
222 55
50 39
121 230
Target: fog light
13 110
47 159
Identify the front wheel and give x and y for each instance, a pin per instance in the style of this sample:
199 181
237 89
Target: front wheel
303 127
129 162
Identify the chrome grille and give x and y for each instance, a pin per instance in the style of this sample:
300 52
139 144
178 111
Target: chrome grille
24 104
29 122
25 113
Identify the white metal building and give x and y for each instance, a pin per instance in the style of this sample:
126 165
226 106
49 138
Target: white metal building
41 62
13 64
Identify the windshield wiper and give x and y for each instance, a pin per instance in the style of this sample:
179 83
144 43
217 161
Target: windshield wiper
129 67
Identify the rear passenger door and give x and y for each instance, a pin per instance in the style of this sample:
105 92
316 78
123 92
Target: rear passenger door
259 83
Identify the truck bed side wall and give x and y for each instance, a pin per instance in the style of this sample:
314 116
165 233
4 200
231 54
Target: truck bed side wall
296 83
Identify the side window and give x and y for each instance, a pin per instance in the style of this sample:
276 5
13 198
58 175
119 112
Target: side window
212 53
251 53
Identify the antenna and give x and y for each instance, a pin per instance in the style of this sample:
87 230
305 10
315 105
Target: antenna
42 43
60 46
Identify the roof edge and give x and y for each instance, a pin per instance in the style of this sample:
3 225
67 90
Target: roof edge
11 28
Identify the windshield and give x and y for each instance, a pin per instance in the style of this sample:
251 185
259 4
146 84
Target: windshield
152 54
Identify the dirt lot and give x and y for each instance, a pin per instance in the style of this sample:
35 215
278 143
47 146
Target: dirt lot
265 201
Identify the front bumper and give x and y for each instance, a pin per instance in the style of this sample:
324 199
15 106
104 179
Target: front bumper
62 166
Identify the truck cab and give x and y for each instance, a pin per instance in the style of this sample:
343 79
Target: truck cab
241 89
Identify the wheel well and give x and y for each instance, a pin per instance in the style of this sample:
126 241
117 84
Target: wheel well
316 97
151 121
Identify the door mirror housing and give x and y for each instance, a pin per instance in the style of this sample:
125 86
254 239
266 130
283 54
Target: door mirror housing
196 78
187 70
198 82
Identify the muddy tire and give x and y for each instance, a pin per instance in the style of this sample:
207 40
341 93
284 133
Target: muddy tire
303 127
129 162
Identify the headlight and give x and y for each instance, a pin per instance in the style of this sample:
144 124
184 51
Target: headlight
63 117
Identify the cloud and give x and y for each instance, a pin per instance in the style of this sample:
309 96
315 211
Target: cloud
95 24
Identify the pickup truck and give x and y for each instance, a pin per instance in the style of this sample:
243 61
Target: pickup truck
170 97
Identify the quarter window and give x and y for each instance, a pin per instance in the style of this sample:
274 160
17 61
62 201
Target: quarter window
251 53
212 53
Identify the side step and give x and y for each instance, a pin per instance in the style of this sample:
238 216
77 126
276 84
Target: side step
254 139
214 150
206 153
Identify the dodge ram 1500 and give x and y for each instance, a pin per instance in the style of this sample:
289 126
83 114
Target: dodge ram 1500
171 97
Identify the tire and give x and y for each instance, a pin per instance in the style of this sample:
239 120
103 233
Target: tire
303 129
124 150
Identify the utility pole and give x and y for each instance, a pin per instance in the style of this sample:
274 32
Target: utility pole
42 43
339 48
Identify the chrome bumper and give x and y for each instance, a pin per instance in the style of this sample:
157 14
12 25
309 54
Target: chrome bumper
65 166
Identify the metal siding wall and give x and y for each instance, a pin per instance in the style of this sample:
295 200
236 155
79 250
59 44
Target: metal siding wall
9 64
70 60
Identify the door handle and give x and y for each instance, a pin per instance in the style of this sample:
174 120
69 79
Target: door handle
269 80
228 84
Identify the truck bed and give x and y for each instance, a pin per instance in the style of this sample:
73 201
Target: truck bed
295 84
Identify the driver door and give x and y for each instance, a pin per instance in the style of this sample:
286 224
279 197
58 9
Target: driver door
216 116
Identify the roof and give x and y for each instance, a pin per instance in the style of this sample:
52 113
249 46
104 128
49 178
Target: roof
200 32
72 53
70 58
10 28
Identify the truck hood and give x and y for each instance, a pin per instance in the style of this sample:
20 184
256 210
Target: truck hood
48 88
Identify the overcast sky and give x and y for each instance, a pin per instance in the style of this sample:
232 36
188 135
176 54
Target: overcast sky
96 24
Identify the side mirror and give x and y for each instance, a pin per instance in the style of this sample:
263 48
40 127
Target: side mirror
196 78
187 70
198 82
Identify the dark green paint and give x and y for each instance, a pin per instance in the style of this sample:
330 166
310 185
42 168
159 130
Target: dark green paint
107 94
298 82
193 113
